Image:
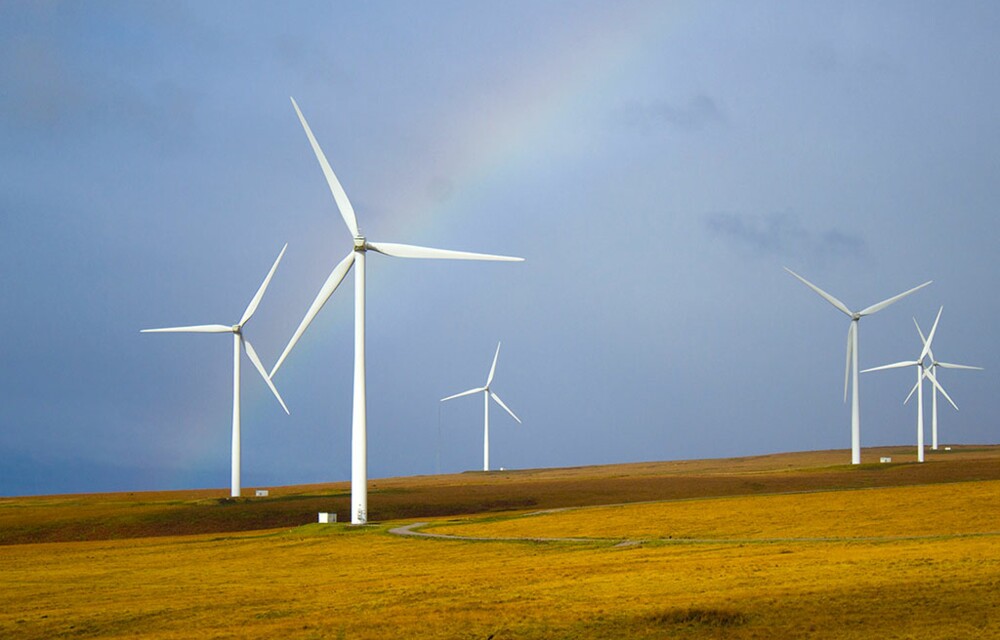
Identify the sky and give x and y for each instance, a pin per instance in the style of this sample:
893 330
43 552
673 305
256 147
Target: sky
657 164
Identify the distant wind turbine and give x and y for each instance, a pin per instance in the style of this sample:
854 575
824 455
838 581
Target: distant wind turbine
238 342
851 370
922 373
933 369
487 394
357 255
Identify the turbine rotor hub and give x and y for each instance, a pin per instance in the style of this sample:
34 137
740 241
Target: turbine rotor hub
360 243
237 328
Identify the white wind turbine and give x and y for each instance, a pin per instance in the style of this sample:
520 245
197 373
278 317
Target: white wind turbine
933 369
238 342
487 394
851 371
359 442
922 373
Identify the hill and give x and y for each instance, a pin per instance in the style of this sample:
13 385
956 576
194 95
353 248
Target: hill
150 514
790 546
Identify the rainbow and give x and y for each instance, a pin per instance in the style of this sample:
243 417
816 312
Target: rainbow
497 137
503 133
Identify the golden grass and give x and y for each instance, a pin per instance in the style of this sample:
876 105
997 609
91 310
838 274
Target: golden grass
931 510
366 584
342 582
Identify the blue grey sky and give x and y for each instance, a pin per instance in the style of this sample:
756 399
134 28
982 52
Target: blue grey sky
656 163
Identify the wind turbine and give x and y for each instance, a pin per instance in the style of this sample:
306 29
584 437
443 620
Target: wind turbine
851 370
357 256
238 342
933 369
922 373
487 394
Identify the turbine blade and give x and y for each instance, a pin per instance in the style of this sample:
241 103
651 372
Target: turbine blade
923 339
826 296
948 365
198 328
332 282
500 402
412 251
930 336
252 307
493 369
850 347
914 389
464 393
930 376
339 195
885 303
894 365
255 359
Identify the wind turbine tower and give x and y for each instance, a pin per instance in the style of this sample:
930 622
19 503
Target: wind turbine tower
933 370
357 256
239 342
922 373
851 370
487 394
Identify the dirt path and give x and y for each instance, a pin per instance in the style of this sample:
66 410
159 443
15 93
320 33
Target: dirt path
408 530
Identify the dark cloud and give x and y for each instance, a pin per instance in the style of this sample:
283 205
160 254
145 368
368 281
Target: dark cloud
784 235
51 87
699 112
440 189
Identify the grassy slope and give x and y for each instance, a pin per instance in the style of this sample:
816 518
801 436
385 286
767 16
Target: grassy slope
364 584
134 515
348 582
887 513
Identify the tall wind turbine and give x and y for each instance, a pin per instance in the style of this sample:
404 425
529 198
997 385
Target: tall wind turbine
238 342
357 256
851 370
487 394
933 369
922 373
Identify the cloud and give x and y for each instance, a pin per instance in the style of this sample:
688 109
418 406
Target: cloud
51 88
700 111
784 235
440 189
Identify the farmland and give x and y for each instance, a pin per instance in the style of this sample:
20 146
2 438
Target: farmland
790 545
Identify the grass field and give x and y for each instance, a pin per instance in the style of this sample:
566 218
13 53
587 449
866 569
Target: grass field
941 510
891 551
